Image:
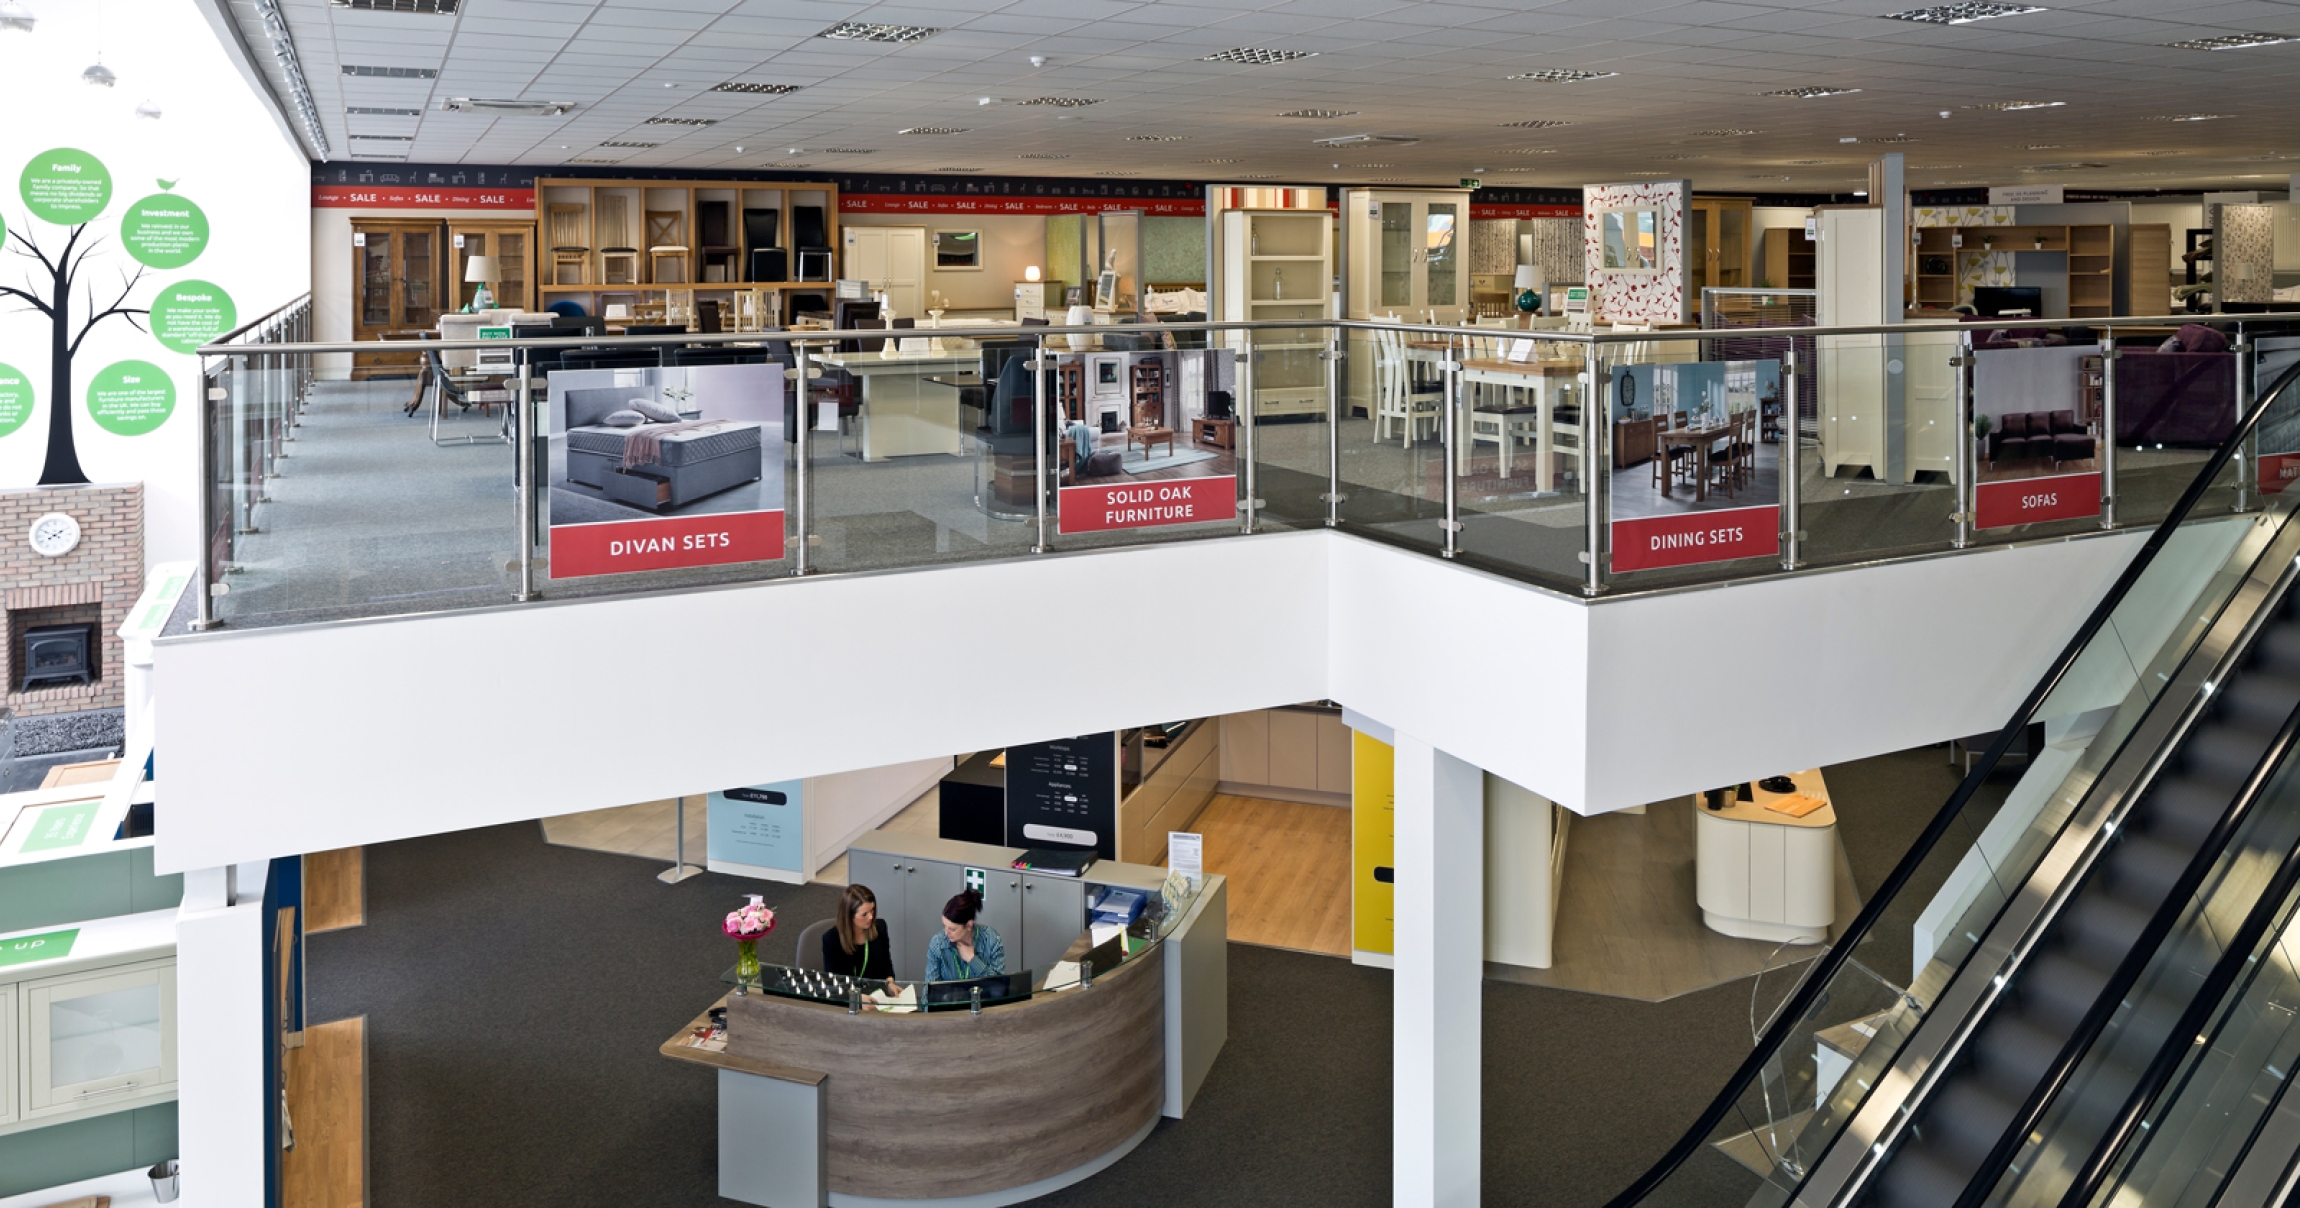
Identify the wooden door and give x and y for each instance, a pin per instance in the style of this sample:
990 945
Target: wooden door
397 273
513 246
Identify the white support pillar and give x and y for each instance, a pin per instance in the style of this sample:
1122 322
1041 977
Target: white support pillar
219 1054
1439 978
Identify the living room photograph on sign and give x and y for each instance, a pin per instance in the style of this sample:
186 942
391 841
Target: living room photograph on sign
656 468
1146 436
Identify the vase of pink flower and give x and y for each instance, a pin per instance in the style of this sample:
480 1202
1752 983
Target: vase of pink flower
745 925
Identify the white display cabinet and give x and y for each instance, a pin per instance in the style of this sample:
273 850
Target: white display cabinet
90 1038
1278 265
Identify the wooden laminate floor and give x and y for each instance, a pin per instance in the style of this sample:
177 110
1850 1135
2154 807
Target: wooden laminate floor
1289 870
649 829
334 889
1628 924
327 1102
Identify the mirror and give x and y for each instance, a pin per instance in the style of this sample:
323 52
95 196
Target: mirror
1632 241
957 249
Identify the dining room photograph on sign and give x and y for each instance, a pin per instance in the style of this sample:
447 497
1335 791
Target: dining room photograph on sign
1697 462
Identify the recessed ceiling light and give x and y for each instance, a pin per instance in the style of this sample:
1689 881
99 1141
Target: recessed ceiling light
1215 161
2186 117
1373 165
847 151
1963 14
1684 157
743 86
1045 155
390 73
932 130
625 144
1156 138
1257 56
1727 133
1384 180
1808 163
2159 154
1762 176
1260 176
436 8
1811 91
1062 102
682 121
374 111
506 108
1563 75
399 158
2044 146
1539 124
1889 138
958 169
1653 174
1319 114
1531 151
2009 106
2232 42
1118 174
386 138
865 31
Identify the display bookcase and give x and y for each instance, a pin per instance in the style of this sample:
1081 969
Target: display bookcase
1278 264
2091 262
1788 261
599 241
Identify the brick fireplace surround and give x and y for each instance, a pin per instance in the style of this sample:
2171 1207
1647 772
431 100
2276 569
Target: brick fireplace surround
98 581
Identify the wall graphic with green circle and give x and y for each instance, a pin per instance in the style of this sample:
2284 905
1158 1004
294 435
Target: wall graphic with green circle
131 398
65 186
15 399
188 314
164 231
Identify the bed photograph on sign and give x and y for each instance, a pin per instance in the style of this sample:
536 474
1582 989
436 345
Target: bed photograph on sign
1697 453
1148 436
656 468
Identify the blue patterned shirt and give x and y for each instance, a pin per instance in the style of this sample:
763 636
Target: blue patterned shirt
942 963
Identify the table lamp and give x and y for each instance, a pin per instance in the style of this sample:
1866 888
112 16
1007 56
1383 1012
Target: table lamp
1532 283
480 271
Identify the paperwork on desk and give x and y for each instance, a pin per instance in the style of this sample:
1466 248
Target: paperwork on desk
1796 805
1063 976
895 1004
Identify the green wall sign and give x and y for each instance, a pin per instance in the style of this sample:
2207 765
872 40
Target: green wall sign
164 231
15 399
191 313
131 398
46 946
65 186
61 826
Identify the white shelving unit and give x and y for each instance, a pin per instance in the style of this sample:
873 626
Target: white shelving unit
1279 264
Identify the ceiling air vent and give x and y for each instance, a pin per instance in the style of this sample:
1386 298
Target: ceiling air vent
433 8
767 89
1257 56
372 72
506 108
865 31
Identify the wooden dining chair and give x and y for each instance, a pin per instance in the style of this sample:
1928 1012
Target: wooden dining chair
1670 454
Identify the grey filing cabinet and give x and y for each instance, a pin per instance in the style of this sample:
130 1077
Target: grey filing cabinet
1053 913
1038 916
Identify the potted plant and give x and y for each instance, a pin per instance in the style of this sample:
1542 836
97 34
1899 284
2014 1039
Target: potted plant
1982 424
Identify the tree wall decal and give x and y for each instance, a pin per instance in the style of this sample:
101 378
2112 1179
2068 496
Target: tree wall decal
49 291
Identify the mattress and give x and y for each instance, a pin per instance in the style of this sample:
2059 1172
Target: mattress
678 449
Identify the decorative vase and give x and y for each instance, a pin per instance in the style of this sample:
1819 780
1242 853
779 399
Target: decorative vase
747 960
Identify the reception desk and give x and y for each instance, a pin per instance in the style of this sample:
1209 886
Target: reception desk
821 1104
1763 875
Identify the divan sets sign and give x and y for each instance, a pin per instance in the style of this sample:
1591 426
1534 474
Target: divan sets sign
71 189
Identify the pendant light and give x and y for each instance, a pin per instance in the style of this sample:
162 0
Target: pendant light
99 74
13 15
150 108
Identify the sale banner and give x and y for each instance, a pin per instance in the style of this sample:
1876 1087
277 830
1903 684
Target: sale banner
621 547
1102 507
2033 500
1690 538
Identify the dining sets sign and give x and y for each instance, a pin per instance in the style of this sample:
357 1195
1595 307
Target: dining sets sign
1689 538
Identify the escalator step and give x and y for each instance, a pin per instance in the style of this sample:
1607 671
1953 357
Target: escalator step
2013 1052
2058 989
1966 1121
2101 925
2146 866
2263 697
2185 810
2279 646
1918 1179
2223 754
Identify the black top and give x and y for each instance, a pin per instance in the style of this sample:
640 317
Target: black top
873 961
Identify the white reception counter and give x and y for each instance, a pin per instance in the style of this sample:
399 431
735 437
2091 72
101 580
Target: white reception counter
1764 875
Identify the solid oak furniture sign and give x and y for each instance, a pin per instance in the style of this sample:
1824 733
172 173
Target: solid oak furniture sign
1102 508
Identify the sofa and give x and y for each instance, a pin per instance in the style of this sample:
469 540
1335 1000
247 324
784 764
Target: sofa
2049 435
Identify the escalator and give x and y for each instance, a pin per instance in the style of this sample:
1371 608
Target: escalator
2057 947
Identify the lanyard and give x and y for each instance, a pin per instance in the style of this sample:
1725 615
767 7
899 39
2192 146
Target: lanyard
863 969
960 961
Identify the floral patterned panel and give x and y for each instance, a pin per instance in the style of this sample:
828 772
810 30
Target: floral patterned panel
1638 297
1557 249
1963 216
2244 254
1981 268
1493 247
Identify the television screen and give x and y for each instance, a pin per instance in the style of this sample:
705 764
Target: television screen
1996 300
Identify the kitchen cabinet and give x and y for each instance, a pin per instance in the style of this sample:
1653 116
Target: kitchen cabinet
93 1037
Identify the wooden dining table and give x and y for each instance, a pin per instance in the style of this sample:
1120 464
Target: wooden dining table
1547 380
1704 440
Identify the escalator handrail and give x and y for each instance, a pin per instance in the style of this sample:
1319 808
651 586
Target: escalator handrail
2145 949
2186 1032
1831 961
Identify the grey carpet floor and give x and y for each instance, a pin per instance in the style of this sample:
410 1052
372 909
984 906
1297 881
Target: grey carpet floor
516 992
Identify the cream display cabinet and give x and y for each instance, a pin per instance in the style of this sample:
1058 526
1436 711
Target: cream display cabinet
1278 264
1409 253
92 1032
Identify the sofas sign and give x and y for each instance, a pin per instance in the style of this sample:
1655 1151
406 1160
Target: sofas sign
2034 500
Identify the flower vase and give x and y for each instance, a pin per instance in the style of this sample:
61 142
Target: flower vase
747 960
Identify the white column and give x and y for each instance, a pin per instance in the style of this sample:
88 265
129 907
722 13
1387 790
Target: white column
1439 976
219 1054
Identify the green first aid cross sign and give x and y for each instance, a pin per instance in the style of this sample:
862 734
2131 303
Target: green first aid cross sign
977 880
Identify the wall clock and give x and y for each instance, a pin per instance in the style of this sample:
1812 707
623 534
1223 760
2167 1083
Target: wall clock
55 535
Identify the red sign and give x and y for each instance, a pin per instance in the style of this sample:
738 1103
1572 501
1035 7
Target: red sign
1099 509
620 547
2030 500
962 203
414 197
2277 471
1481 212
1689 538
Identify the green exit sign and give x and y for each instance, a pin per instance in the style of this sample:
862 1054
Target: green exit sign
1472 182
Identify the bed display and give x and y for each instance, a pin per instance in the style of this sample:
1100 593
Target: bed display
656 465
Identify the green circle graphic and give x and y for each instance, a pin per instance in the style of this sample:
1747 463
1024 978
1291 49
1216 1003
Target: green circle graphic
191 313
131 398
65 186
164 231
15 399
